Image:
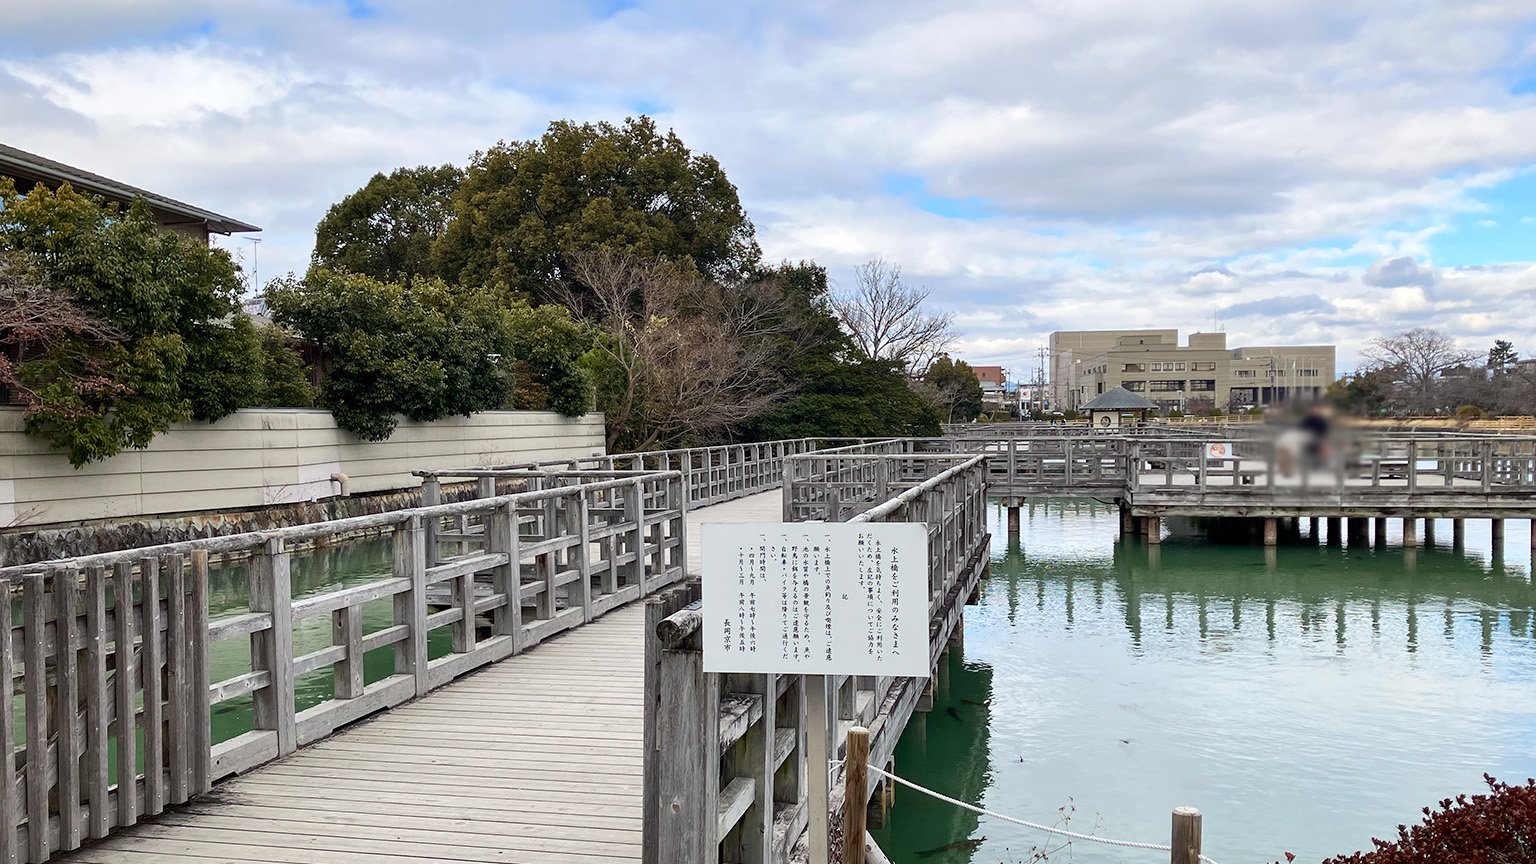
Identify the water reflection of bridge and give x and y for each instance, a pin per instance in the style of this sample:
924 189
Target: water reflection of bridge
1329 592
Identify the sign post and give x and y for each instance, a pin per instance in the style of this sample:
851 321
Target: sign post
816 599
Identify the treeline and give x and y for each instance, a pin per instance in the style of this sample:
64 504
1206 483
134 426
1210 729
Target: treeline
597 266
1425 372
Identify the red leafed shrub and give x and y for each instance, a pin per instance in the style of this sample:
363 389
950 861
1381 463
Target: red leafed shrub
1496 828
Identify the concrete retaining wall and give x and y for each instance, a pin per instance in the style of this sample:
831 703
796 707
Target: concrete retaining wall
256 459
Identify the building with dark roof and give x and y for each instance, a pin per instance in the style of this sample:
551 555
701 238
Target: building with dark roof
29 170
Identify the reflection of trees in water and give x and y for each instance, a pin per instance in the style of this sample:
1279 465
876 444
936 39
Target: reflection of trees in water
948 747
312 571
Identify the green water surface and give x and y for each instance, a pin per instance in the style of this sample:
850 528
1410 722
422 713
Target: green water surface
1304 704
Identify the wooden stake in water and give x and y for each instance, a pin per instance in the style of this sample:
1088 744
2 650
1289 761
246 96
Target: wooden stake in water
817 764
855 794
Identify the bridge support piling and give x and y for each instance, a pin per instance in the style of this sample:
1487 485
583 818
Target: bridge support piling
1429 531
1127 521
1335 535
1410 532
1271 532
1359 531
1312 529
1013 520
1458 534
1153 525
1533 535
1381 532
1497 531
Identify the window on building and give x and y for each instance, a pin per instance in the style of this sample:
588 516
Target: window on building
1166 386
1134 386
1157 367
1203 366
1134 367
1203 385
1245 373
1180 367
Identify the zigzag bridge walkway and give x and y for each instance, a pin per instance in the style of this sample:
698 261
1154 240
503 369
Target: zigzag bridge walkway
544 698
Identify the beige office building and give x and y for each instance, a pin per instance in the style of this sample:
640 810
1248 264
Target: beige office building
1201 374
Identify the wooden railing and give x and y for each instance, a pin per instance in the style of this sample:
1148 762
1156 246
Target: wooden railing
1362 468
726 766
94 638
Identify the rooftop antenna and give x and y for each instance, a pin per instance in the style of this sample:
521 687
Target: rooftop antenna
255 264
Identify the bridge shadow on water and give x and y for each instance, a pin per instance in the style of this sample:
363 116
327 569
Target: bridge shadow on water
1306 697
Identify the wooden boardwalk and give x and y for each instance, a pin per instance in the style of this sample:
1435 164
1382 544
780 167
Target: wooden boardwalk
534 759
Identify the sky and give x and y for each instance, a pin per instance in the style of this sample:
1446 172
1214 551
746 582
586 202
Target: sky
1291 171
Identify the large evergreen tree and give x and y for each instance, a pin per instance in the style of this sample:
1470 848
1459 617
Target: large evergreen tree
526 207
386 229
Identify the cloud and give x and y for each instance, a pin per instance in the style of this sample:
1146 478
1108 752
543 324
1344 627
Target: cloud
1274 306
1399 272
1312 154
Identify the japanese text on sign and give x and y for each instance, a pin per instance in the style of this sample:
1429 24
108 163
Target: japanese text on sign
816 598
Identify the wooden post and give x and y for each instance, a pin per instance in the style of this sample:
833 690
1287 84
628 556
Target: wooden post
1185 846
1271 532
816 768
1410 532
1458 533
1013 521
271 649
855 794
1381 531
1154 530
1335 535
1429 531
431 495
1496 528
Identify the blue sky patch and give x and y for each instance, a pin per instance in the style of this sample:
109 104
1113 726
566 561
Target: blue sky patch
1504 231
915 190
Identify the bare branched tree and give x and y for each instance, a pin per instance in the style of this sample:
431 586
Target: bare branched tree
1418 358
887 319
35 318
686 359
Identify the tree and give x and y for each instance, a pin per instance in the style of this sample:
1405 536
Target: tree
1418 357
1368 392
386 229
168 299
886 319
425 351
955 391
526 208
679 359
1502 356
857 399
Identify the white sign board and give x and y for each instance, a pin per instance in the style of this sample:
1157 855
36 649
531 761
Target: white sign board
1218 450
816 598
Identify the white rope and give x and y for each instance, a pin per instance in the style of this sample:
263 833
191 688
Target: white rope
1129 844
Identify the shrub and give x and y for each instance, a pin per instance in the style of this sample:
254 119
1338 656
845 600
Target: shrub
1495 828
1470 412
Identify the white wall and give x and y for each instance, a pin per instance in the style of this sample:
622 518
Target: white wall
258 457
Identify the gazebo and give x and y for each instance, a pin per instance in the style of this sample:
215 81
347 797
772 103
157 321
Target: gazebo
1118 407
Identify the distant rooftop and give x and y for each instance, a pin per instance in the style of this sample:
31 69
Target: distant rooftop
30 168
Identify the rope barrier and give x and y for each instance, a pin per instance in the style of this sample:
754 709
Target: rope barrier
1129 844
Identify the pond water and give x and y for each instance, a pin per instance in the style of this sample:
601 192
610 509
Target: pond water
1304 704
312 572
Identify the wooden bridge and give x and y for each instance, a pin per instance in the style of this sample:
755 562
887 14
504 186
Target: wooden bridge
589 731
541 758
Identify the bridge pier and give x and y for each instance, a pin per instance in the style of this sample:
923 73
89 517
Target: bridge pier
1458 534
1013 520
1153 527
1335 534
1429 531
1497 531
1312 529
1359 531
1127 521
1381 532
1410 532
1271 532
